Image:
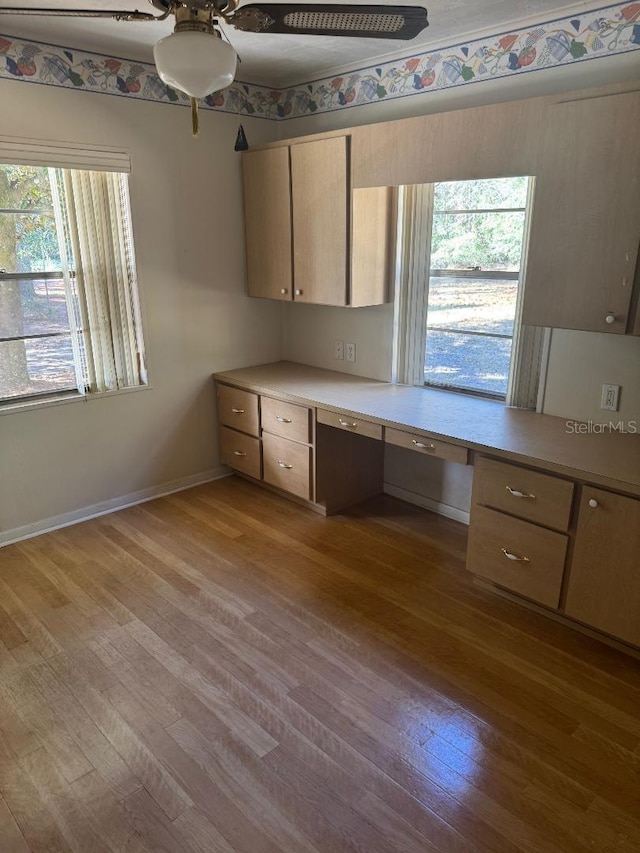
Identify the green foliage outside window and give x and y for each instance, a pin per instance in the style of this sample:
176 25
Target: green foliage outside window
491 241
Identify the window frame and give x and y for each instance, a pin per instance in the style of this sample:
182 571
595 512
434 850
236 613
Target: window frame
61 162
413 271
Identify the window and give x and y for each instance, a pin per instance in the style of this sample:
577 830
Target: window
69 314
463 283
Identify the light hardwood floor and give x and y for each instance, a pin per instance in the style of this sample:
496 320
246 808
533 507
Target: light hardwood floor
222 670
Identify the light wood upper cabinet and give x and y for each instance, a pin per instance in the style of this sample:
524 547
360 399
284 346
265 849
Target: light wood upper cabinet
586 216
320 193
604 583
373 218
267 213
310 238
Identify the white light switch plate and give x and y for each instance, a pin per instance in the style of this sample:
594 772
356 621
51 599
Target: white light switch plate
350 352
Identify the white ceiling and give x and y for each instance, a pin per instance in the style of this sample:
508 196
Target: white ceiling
283 60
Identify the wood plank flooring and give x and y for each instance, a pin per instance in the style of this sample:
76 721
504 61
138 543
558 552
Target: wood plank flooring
222 671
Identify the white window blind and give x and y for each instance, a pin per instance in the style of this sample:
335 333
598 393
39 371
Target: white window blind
63 155
69 308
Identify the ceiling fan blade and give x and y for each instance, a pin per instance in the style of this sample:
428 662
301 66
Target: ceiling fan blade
384 22
119 15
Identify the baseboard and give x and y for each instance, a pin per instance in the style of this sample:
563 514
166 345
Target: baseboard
427 503
8 537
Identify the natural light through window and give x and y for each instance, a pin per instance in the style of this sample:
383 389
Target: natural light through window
69 312
476 257
36 354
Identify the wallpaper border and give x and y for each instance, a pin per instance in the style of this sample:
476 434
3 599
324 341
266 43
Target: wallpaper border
598 33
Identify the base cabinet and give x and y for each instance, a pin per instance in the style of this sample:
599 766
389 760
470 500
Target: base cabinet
517 555
287 465
604 581
510 543
277 442
240 452
545 538
523 523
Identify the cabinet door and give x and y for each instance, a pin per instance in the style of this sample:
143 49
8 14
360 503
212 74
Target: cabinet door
604 584
267 218
586 216
372 245
320 194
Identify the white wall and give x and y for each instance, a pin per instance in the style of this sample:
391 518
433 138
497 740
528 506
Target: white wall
187 218
309 333
579 362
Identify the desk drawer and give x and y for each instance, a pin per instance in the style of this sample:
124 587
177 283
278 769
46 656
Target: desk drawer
427 446
286 419
538 577
238 409
240 451
287 465
528 494
349 423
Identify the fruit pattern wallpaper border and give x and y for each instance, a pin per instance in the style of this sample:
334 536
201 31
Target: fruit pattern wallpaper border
601 32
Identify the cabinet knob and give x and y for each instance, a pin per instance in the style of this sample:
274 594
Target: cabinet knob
610 318
298 292
593 503
283 290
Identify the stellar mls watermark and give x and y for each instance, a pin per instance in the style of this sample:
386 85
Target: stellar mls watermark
601 427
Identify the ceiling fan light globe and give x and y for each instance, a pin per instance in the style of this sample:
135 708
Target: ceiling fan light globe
194 62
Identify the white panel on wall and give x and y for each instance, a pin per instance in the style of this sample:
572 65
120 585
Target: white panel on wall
580 363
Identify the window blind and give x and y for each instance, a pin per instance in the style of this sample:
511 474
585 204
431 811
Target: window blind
63 155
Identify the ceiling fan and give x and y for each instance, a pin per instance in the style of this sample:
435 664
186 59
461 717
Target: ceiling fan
197 60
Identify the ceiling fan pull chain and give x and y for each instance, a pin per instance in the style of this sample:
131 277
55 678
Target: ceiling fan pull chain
195 121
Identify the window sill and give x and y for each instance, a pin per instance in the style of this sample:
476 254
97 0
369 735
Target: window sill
9 408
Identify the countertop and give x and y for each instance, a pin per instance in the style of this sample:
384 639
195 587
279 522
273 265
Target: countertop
610 459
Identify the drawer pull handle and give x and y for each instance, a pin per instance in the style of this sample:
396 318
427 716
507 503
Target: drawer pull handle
514 557
239 453
238 411
284 464
282 420
422 445
518 494
352 425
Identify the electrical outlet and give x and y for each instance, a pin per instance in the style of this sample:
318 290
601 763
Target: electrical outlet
610 397
338 350
350 351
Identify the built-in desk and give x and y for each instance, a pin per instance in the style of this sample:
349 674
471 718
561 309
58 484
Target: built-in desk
544 441
555 514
